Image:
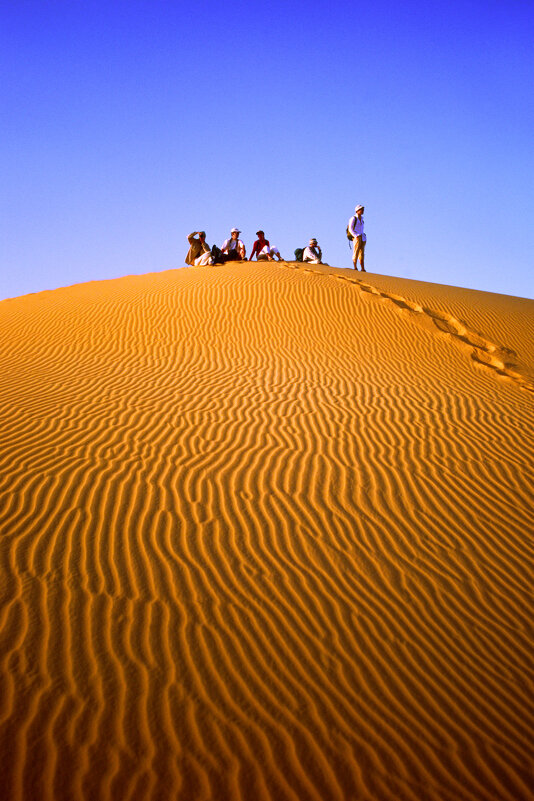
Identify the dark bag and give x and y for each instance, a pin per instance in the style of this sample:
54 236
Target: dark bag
299 252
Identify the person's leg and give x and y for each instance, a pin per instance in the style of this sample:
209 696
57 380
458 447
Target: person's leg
356 245
362 257
217 255
203 260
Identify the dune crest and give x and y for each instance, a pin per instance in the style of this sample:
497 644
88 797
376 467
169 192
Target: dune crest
266 533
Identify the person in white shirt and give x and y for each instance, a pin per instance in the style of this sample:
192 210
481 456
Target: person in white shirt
312 254
358 238
234 247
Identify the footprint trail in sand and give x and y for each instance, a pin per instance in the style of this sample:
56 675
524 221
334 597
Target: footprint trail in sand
487 353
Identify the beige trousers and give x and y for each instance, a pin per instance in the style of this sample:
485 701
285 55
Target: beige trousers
358 252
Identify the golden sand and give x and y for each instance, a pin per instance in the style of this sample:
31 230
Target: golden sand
266 533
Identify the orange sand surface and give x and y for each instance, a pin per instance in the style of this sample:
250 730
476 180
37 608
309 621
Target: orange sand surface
266 533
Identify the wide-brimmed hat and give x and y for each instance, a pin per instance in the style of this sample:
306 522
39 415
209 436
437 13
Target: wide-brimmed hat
260 232
235 231
359 208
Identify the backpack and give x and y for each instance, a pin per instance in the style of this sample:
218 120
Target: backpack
299 252
347 231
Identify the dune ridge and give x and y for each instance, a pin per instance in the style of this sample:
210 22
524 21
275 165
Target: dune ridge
266 532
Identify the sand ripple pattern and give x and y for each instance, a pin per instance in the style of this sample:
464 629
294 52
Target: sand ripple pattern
500 358
263 537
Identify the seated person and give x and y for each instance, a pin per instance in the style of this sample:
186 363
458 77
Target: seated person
312 253
262 249
199 254
233 248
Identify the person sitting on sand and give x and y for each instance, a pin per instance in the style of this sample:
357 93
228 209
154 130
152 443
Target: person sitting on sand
359 239
234 248
312 253
262 249
199 254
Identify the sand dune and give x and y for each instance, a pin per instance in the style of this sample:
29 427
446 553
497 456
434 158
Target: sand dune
266 533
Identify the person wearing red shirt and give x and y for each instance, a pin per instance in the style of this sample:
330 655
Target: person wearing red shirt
262 249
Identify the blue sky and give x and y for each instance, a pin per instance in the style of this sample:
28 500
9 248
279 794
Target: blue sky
126 125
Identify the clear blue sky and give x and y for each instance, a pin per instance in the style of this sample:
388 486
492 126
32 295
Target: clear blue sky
126 125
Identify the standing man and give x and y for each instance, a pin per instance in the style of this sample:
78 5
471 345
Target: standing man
358 238
234 247
198 254
313 253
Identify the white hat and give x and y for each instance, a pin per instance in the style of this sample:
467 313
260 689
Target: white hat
235 231
358 208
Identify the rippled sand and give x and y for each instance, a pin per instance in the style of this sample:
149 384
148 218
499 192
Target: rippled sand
266 533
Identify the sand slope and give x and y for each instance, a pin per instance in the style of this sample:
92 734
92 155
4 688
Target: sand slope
266 533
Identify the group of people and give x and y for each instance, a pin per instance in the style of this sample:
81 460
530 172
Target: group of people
233 249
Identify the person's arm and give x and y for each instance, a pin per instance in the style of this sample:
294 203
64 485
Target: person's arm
225 246
255 249
352 226
241 249
191 237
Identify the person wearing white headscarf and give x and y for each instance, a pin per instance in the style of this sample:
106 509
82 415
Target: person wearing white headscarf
312 254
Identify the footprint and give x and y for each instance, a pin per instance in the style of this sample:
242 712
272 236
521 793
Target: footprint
402 304
482 350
